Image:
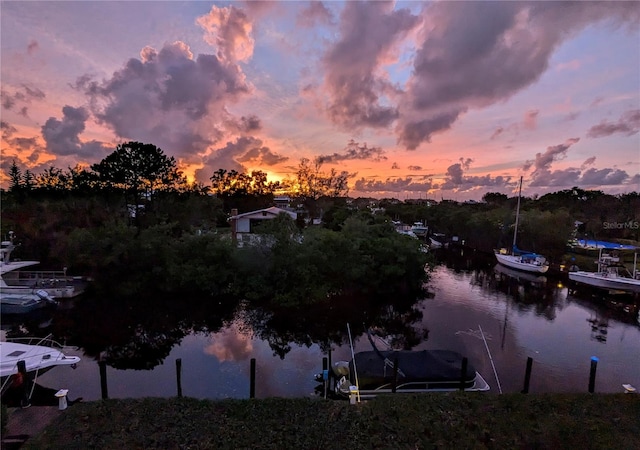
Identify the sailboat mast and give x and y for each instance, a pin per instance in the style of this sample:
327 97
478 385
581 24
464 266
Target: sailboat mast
515 231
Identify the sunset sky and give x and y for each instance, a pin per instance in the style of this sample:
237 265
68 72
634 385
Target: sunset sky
434 100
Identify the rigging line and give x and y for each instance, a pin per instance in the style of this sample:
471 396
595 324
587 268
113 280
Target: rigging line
353 358
491 359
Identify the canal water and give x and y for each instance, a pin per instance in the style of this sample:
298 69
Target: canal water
496 318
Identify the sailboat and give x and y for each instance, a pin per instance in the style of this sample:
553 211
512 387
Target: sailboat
518 259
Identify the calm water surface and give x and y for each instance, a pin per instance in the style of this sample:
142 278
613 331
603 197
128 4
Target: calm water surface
518 319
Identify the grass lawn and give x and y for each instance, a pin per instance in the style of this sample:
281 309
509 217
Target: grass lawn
444 421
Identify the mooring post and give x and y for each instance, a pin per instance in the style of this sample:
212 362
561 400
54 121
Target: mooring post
23 384
463 373
592 374
527 375
325 375
252 381
179 375
394 386
103 379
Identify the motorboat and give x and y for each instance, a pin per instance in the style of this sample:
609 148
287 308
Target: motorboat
611 275
24 303
375 372
38 354
519 259
420 229
15 280
437 240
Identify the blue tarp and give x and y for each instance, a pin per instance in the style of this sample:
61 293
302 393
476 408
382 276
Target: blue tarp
603 244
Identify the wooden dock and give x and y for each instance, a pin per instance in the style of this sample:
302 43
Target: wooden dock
24 423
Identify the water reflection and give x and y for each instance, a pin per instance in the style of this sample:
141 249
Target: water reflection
471 301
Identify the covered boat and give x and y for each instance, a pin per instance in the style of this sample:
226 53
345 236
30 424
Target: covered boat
372 373
24 303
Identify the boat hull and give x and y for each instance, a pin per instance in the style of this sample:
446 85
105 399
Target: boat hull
23 303
601 281
516 262
423 371
37 358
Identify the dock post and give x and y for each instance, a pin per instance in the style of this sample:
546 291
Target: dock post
592 374
23 384
463 373
103 379
325 375
179 375
252 381
394 386
527 375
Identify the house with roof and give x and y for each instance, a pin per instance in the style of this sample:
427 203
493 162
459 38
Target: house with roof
243 225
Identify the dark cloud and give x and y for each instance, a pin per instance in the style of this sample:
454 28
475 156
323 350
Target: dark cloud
498 131
455 179
234 154
603 177
628 124
588 162
352 151
170 99
7 129
20 98
394 166
393 185
474 54
32 47
62 136
315 13
369 33
415 168
553 153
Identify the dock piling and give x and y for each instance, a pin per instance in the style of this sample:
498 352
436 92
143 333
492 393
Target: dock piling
252 381
527 375
463 374
179 376
592 374
103 379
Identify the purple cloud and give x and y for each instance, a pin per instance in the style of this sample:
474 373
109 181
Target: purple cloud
352 151
62 136
315 13
170 99
393 185
553 153
628 124
234 154
355 86
475 54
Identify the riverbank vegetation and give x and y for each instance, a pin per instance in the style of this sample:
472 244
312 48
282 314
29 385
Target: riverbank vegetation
451 421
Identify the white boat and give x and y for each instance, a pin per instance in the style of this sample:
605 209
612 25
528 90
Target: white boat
611 275
24 303
39 355
15 280
420 229
436 240
518 259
